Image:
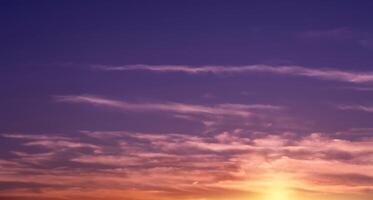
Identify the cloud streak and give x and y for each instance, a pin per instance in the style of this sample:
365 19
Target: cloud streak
356 108
51 142
325 74
241 110
334 34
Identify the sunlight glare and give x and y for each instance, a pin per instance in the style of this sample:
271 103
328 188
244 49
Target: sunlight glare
278 188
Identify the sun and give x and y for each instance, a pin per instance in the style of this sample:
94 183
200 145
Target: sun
271 185
278 187
277 192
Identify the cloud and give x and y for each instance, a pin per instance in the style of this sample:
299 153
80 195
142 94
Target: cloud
356 133
233 161
325 74
34 157
34 137
312 146
335 34
353 179
356 108
49 142
220 109
342 34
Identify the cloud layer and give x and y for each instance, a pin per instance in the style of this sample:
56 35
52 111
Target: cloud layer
129 165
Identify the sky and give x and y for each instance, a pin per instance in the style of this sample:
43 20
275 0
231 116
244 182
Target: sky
186 100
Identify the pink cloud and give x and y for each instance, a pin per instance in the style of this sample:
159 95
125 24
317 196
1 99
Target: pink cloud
356 108
185 163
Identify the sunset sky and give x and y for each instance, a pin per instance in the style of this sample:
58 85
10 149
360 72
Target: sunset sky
186 100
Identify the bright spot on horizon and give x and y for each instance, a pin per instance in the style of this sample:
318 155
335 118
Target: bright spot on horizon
278 187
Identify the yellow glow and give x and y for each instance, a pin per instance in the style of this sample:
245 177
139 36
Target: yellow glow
278 188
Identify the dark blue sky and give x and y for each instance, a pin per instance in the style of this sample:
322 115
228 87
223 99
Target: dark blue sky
184 32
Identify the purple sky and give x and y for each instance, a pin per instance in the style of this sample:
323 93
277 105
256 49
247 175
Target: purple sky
132 88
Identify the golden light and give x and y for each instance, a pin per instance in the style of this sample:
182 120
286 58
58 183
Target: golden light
278 187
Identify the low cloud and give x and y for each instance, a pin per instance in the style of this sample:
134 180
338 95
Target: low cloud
59 143
232 161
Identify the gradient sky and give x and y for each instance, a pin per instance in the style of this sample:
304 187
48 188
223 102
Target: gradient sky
186 100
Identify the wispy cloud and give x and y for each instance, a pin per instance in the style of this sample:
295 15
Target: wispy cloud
335 34
356 108
34 157
220 109
51 142
326 74
341 34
